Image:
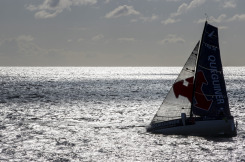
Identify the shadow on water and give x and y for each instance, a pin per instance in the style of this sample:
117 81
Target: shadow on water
15 90
219 139
155 74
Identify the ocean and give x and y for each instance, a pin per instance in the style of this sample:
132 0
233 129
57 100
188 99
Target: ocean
100 114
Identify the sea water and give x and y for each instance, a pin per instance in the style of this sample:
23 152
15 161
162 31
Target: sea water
100 114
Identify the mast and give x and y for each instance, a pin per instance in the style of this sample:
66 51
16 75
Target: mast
195 76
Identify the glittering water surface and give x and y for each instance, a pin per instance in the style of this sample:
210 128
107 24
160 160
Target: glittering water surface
100 114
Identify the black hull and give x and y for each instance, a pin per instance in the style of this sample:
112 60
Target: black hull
213 127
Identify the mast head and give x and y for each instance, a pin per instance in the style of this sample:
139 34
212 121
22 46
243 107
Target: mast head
206 17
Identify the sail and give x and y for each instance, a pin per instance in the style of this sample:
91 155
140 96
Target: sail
178 100
210 96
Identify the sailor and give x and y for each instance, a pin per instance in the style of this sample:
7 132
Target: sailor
221 111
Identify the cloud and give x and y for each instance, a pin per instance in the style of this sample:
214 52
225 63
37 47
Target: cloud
20 46
219 19
153 17
44 14
122 11
98 37
126 39
183 8
8 47
51 8
23 51
80 40
223 18
229 4
173 0
75 40
171 38
222 27
170 21
107 1
27 38
149 19
237 17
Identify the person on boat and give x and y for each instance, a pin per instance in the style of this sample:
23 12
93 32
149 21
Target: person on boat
221 112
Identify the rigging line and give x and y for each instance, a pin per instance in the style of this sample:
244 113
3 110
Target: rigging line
206 16
210 95
210 69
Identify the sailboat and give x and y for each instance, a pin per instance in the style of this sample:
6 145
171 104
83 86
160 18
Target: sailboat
197 104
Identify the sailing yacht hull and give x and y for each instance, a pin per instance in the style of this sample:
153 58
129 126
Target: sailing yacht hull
224 128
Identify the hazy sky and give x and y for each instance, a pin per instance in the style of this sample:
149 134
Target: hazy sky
116 32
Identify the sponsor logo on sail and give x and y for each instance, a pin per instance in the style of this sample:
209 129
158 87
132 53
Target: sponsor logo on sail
201 100
180 89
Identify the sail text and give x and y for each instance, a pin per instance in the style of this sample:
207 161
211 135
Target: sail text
215 80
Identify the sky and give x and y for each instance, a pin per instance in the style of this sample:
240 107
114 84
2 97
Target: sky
116 32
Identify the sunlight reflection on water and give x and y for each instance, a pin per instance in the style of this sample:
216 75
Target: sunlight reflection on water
100 114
